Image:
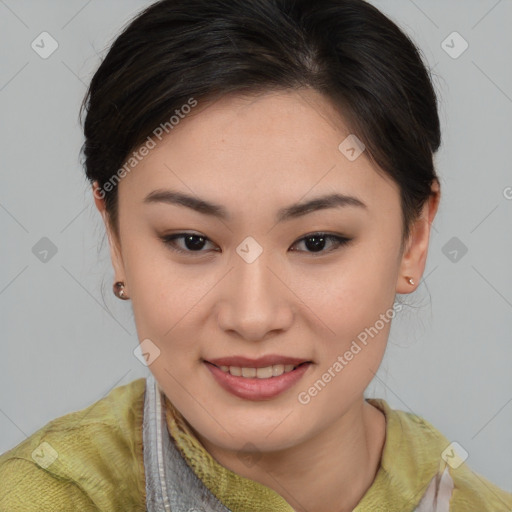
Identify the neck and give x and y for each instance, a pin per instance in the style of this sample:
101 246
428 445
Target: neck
330 472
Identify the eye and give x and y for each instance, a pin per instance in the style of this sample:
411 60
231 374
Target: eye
317 241
192 241
314 242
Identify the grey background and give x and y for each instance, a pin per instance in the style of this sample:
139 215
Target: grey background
64 346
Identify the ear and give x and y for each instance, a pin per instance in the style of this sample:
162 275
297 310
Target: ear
114 243
415 253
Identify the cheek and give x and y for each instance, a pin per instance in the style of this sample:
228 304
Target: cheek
356 314
349 295
161 296
353 300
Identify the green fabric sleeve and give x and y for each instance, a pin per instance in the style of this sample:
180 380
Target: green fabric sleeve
25 487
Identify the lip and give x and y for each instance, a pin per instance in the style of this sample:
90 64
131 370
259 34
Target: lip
261 362
254 388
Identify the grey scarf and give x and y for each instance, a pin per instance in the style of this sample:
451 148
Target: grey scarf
171 485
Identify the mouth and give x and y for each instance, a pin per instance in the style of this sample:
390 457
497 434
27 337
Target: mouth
257 379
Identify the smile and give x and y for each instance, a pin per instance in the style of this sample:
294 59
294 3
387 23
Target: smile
257 383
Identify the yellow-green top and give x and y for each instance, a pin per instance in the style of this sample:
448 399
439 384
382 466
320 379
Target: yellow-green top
92 459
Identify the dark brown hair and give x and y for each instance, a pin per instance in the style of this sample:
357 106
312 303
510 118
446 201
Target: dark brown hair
347 50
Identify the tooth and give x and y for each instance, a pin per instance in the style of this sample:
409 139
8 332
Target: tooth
264 373
235 370
249 372
277 369
267 372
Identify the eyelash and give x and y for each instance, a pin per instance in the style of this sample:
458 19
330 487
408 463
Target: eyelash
339 241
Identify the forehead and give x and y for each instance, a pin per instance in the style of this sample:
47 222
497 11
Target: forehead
260 150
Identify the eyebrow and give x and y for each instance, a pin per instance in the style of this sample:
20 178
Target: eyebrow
290 212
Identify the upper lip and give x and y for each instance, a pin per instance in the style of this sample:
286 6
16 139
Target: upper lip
261 362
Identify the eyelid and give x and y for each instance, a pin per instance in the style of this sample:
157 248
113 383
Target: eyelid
338 239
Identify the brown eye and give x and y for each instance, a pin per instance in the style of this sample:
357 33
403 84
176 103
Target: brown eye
316 242
192 242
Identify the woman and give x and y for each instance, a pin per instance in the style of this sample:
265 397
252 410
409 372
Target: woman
265 173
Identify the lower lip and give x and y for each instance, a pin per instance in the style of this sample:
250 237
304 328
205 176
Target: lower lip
254 388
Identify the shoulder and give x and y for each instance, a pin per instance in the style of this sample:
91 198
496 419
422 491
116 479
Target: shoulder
86 460
417 453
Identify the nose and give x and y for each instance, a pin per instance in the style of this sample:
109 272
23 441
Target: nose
255 302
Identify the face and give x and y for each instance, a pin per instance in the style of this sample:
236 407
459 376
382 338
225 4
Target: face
263 279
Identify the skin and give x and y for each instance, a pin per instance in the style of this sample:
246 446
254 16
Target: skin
255 155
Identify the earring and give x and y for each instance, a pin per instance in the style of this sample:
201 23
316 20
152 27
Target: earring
119 290
410 280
